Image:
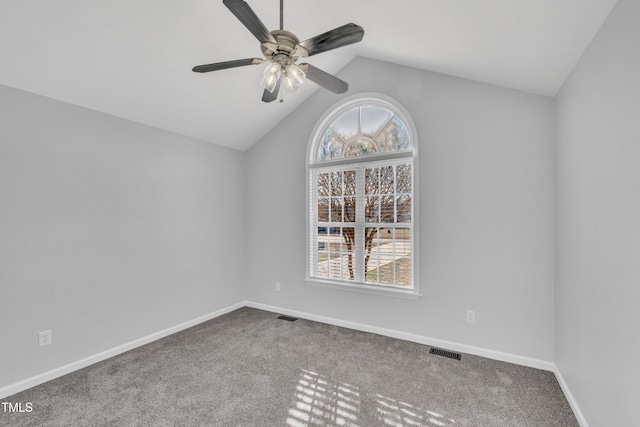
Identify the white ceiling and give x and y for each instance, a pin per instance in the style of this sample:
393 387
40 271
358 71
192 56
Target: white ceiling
133 58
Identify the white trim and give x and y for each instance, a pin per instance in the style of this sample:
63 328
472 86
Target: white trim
407 154
363 287
420 339
570 398
82 363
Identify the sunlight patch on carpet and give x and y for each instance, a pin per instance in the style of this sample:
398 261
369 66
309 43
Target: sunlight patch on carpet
401 414
322 401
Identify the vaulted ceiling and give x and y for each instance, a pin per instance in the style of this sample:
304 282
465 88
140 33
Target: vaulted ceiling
133 58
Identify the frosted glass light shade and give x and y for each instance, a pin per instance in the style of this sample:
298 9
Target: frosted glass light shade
272 68
271 75
269 82
293 78
295 74
289 85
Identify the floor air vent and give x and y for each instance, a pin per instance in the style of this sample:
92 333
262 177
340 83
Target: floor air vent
445 353
287 318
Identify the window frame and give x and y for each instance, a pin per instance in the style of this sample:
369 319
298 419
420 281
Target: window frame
312 166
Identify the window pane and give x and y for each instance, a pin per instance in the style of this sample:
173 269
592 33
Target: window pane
403 257
402 135
323 209
360 146
386 270
349 209
348 239
371 254
323 184
385 139
403 178
330 147
370 239
386 180
335 268
348 261
386 251
372 209
323 239
349 183
387 213
403 272
323 151
336 209
393 137
403 208
336 183
373 119
335 262
348 266
347 125
371 180
372 271
323 252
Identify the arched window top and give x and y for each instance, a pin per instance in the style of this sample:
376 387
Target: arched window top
361 128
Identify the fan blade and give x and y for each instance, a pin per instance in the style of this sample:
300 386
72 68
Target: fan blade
247 16
338 37
227 64
324 79
272 96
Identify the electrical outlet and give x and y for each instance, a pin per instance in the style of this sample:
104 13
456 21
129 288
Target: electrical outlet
44 338
278 286
471 316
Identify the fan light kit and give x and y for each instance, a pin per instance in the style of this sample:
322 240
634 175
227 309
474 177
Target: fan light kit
293 77
282 49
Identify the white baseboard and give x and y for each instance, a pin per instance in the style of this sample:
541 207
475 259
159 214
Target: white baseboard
478 351
74 366
420 339
572 401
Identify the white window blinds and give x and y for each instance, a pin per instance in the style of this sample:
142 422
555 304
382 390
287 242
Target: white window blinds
361 227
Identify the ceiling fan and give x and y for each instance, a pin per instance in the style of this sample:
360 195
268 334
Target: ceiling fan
282 49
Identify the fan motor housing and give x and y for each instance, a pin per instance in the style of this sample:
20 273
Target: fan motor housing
287 48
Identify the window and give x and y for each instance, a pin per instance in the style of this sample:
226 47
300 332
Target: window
361 199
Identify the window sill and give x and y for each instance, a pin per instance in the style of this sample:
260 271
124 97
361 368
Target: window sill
368 289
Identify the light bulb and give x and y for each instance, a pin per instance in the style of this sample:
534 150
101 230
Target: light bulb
272 68
289 85
296 74
270 81
271 76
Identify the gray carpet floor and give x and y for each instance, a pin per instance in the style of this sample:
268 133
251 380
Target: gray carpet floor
248 368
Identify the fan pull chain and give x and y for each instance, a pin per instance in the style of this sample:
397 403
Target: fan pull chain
281 14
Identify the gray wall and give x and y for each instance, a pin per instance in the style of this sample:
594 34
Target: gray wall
598 224
109 231
486 213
